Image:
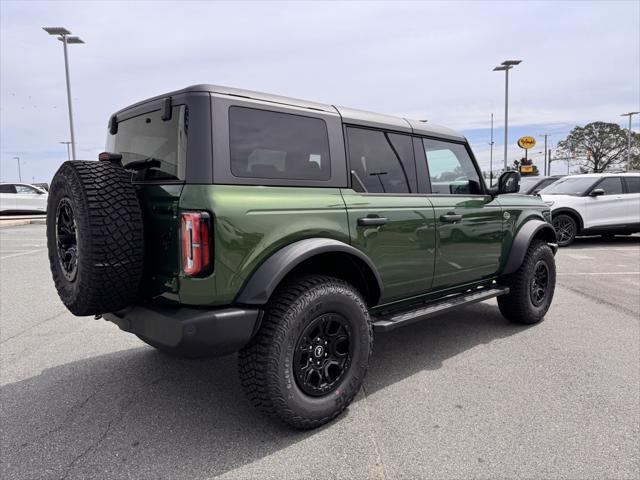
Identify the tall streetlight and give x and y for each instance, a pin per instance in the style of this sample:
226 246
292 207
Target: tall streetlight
19 172
505 67
63 36
630 114
68 153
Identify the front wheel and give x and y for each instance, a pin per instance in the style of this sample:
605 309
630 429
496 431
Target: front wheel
531 287
307 362
566 229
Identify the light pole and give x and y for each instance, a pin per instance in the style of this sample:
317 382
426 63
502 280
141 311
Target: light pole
68 153
505 67
545 135
491 155
63 36
19 172
630 114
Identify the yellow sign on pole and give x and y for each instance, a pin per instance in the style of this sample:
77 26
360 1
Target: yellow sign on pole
526 142
526 169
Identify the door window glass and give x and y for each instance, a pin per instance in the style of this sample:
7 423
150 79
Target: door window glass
611 186
451 169
633 184
266 144
25 190
382 161
7 189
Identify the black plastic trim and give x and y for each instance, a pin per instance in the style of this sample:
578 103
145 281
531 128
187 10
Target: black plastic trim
521 243
266 278
189 330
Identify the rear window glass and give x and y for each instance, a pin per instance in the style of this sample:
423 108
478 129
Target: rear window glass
7 189
147 137
266 144
611 186
382 161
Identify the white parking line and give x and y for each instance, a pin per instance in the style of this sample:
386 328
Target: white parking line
600 273
22 253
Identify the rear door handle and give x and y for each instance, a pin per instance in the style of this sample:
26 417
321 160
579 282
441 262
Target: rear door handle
371 221
450 217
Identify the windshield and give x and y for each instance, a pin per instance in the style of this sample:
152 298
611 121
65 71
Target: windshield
147 136
527 183
569 186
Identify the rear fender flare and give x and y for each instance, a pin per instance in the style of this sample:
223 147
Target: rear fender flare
266 278
523 239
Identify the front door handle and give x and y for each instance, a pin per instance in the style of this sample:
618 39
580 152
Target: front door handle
371 221
450 217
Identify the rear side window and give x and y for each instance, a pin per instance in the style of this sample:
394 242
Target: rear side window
451 169
7 189
266 144
611 186
633 184
24 189
382 161
147 137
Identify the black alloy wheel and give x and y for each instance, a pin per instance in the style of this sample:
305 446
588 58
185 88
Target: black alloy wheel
322 355
539 283
565 228
67 239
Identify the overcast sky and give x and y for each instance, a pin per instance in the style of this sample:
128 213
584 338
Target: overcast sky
431 60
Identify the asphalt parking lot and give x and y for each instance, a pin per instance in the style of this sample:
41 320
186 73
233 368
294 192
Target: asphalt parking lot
459 396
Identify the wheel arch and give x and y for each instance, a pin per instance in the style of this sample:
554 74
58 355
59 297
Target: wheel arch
573 214
530 231
317 255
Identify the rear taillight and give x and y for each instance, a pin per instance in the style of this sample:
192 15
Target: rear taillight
196 245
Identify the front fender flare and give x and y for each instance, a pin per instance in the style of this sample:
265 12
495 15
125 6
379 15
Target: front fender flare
522 240
264 280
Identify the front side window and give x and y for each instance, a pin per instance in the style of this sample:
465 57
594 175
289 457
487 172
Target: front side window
25 190
451 169
382 161
611 186
267 144
159 147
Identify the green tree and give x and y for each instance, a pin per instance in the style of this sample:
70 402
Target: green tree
599 146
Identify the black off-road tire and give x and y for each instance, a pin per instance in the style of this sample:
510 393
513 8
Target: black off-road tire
266 364
566 229
518 306
106 221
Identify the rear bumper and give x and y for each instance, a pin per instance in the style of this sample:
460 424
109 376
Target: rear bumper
188 330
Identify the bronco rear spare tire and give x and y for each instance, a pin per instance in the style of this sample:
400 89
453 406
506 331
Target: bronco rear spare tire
94 237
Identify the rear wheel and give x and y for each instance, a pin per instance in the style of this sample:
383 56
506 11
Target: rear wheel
94 237
307 362
566 229
531 287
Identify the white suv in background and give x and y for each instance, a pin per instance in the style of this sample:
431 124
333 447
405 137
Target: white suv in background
22 197
594 204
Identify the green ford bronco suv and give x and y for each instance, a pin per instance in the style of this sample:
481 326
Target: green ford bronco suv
223 220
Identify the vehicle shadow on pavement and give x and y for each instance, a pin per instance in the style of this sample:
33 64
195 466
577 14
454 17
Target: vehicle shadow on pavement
138 413
599 242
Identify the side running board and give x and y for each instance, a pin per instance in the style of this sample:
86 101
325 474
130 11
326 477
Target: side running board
391 321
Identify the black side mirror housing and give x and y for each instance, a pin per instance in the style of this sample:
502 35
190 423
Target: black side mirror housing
509 182
596 192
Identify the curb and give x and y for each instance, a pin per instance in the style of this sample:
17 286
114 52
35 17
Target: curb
16 223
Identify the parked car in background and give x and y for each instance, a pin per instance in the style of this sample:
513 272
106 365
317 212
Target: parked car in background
44 186
22 198
533 185
594 204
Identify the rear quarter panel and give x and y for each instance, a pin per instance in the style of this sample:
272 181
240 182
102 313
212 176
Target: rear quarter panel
252 222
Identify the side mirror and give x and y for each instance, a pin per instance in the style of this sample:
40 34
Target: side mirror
509 182
596 192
